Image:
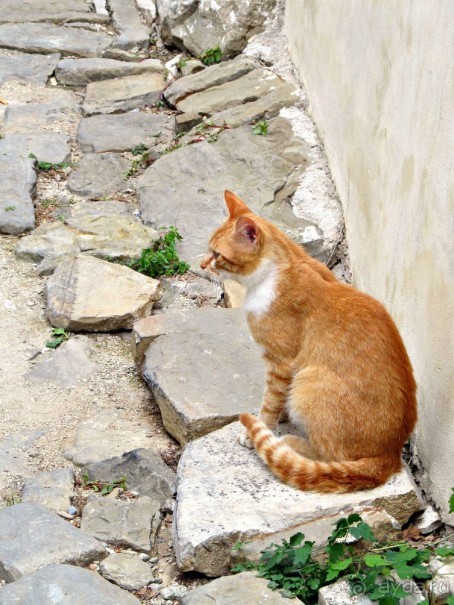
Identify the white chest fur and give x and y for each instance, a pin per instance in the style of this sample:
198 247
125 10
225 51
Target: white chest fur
261 288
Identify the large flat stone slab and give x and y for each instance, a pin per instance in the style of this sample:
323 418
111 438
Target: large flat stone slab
245 587
80 72
216 508
133 34
247 88
31 537
127 570
45 146
144 471
198 26
17 187
262 170
42 109
131 523
13 452
106 435
53 489
64 585
203 369
123 94
45 37
32 68
95 230
214 75
99 175
123 132
66 366
89 294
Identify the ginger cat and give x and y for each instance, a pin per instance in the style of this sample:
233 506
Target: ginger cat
336 362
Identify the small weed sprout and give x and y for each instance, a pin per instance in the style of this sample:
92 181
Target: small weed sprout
104 487
161 259
59 335
211 56
10 208
260 127
451 501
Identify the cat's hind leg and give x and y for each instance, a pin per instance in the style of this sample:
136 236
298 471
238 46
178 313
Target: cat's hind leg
301 446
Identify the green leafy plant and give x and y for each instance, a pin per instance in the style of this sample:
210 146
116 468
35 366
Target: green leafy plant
47 166
260 127
48 203
139 149
161 258
211 55
104 487
10 208
182 63
451 501
175 145
291 568
59 335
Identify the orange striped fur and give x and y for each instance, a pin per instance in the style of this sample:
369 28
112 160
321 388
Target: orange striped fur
336 362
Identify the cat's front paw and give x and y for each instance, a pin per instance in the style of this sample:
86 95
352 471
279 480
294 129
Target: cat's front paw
244 440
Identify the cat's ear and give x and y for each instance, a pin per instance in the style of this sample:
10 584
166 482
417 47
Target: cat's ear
235 205
247 231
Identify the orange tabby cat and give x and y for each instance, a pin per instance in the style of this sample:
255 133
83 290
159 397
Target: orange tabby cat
336 363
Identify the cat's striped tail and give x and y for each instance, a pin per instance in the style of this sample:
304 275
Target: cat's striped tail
313 475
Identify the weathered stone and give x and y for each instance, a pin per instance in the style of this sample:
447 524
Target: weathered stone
31 536
55 11
254 502
192 66
265 107
64 585
234 293
198 26
147 9
125 131
13 452
442 584
123 94
106 435
58 111
95 229
45 146
33 68
127 22
94 295
245 89
143 469
340 593
53 489
214 75
66 366
428 521
17 186
99 174
80 72
194 359
263 170
127 570
131 523
45 37
244 587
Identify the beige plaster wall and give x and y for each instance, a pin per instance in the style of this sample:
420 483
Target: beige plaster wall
379 75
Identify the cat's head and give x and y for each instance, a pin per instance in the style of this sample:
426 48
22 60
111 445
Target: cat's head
236 247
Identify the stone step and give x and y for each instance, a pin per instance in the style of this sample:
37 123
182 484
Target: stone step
202 366
45 146
66 585
226 494
32 68
31 536
17 187
45 37
123 94
80 72
99 175
53 489
133 34
92 295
